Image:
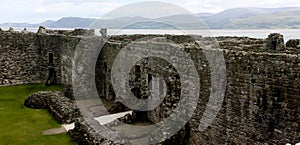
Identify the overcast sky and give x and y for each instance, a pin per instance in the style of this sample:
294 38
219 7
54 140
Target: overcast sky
35 11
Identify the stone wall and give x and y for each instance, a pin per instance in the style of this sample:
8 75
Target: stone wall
263 82
295 43
25 57
19 59
60 107
63 49
75 32
262 96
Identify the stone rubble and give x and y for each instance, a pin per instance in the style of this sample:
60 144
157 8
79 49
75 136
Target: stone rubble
61 108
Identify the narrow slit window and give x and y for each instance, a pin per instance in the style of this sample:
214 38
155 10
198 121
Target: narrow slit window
51 58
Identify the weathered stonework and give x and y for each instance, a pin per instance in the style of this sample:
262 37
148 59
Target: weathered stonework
75 32
275 42
293 43
83 134
61 108
19 59
25 57
262 96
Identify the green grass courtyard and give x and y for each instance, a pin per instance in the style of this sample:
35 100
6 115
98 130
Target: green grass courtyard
23 126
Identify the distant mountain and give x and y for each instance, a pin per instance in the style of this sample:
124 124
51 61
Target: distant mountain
116 22
287 19
237 18
72 22
221 19
204 14
183 21
47 23
230 18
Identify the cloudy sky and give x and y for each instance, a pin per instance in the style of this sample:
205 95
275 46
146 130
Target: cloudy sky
35 11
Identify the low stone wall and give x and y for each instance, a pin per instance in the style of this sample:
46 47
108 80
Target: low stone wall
61 108
83 134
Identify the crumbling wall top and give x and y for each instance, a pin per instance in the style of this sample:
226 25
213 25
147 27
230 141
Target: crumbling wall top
75 32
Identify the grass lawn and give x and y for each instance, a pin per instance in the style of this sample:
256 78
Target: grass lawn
23 126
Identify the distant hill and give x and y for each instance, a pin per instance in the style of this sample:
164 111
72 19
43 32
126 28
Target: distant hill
237 18
72 22
47 23
288 19
250 18
204 14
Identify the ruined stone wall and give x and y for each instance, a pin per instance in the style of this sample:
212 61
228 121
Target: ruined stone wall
262 96
25 57
60 107
63 49
104 63
19 59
